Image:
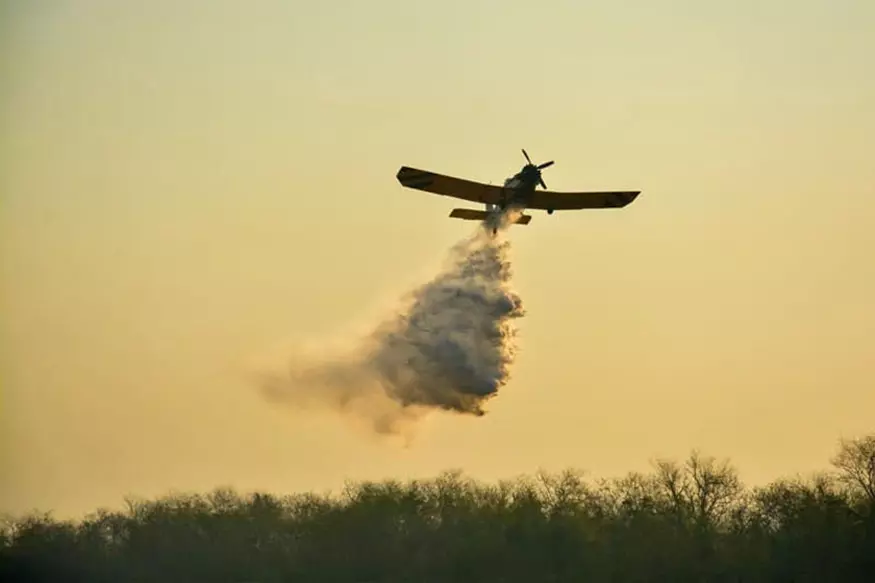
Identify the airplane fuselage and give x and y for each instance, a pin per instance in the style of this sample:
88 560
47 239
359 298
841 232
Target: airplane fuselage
518 189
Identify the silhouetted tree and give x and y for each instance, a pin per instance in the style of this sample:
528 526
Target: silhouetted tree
690 521
855 462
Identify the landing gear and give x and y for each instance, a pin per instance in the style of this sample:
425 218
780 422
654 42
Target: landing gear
549 211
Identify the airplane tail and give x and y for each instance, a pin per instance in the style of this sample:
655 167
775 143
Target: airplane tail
475 215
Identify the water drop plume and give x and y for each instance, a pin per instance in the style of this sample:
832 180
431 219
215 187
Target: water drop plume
447 345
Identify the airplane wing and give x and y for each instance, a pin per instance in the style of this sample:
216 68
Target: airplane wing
448 185
547 200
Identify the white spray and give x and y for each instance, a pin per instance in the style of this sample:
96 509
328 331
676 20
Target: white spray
448 346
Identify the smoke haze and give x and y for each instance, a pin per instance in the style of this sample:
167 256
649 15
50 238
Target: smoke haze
448 345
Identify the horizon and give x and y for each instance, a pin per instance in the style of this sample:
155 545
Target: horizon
585 478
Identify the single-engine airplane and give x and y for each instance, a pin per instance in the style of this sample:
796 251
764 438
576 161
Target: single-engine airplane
519 191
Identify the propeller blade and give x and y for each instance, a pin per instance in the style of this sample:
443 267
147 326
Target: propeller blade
541 180
529 160
545 164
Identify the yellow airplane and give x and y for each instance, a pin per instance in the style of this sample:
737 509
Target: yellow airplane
519 191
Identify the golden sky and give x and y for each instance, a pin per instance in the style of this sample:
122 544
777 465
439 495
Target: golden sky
186 184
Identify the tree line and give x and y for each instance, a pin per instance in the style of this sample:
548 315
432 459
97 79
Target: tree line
682 521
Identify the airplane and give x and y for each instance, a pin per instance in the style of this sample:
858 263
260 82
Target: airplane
519 191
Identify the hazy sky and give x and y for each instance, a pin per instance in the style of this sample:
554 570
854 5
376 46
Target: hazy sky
186 184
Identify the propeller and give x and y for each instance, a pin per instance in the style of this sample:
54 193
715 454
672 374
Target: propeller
539 167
